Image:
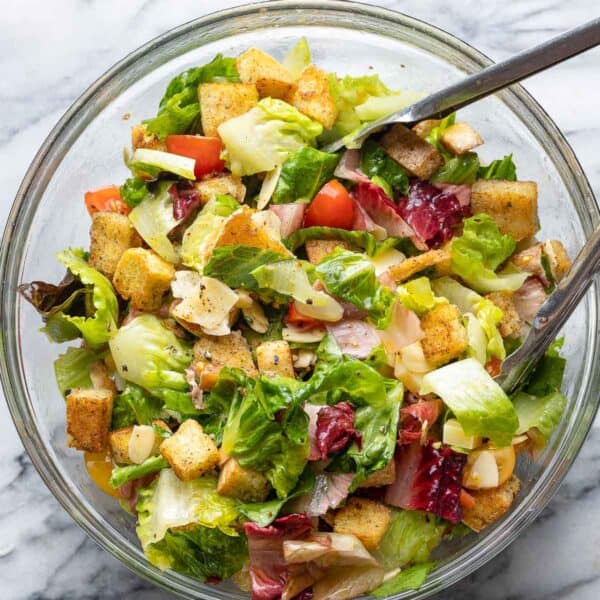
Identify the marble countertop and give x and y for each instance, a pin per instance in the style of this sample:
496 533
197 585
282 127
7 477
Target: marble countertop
49 53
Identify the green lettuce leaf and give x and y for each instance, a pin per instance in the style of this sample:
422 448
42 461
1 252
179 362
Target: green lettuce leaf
376 162
477 401
100 327
548 374
298 58
542 412
499 169
303 174
203 233
351 277
122 475
72 369
359 239
265 136
133 191
408 579
435 135
179 108
133 406
458 169
477 254
417 295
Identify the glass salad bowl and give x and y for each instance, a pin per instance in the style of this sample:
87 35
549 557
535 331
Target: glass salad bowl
84 152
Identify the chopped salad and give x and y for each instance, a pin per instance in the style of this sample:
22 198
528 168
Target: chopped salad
285 358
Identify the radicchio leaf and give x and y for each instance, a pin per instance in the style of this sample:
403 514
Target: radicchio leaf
186 199
335 429
416 419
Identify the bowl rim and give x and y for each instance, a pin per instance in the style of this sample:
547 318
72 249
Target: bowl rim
22 411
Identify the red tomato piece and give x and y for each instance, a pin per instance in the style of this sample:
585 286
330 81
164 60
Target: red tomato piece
205 150
106 199
494 366
297 319
331 207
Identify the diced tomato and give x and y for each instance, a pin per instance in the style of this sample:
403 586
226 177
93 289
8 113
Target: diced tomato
205 150
494 366
106 199
297 319
331 207
466 499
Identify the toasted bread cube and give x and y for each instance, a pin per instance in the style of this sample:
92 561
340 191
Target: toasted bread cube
460 138
143 277
269 76
445 336
89 413
439 260
221 185
275 358
367 519
512 204
142 138
424 128
247 485
317 250
417 156
223 101
119 439
189 451
385 476
111 234
211 354
558 259
491 504
313 97
511 324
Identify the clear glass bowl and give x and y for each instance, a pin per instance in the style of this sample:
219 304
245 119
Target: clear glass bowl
84 151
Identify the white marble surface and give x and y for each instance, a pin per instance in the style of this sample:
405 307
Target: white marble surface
49 53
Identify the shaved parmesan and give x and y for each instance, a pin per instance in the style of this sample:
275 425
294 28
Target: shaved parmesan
141 443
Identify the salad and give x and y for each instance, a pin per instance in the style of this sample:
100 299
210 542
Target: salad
285 358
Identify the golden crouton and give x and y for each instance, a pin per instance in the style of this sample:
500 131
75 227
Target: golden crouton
436 259
460 138
89 413
417 156
143 277
512 204
118 440
211 354
558 259
247 485
142 138
189 451
385 476
269 76
223 101
367 519
491 504
424 128
510 325
224 185
110 235
317 250
313 97
100 378
445 336
275 358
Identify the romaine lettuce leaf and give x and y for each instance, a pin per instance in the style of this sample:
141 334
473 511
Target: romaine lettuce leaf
298 58
360 239
499 169
72 369
477 401
134 406
265 136
435 135
458 169
411 578
417 295
548 374
477 254
133 191
122 475
542 412
376 107
351 277
303 174
101 326
146 160
376 162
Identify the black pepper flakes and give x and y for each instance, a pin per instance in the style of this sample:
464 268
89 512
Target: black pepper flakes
207 355
276 359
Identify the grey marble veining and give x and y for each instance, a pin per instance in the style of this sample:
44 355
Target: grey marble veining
49 53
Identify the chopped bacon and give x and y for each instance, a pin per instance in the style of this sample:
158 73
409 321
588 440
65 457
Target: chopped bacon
349 167
291 216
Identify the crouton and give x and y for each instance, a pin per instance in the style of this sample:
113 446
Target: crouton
417 156
189 451
558 259
89 413
424 128
490 504
317 250
211 354
275 358
223 101
247 485
111 234
367 519
460 138
143 277
512 204
439 260
229 185
118 441
100 378
385 476
142 138
269 76
445 336
511 324
313 97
